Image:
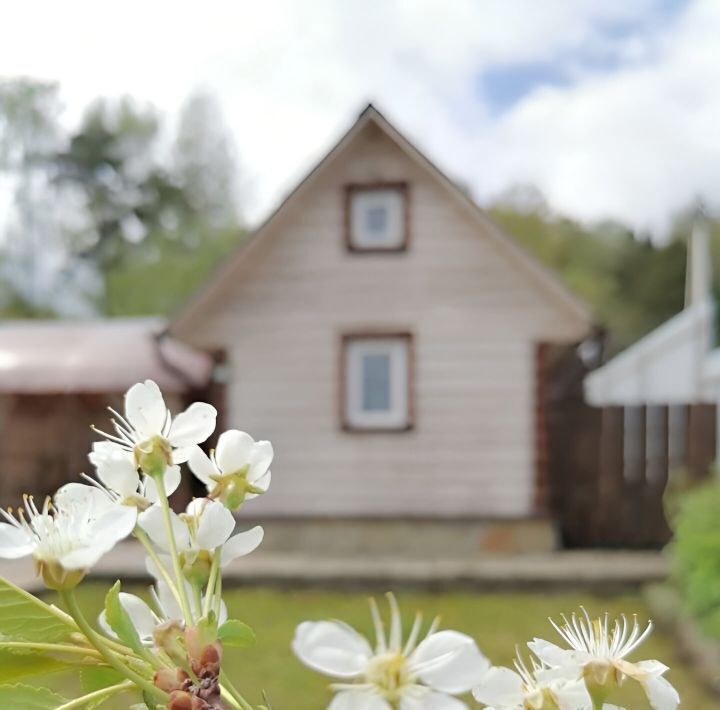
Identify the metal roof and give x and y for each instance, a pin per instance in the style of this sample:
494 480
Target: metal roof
106 355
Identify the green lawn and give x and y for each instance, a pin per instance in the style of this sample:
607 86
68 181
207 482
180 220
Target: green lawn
498 621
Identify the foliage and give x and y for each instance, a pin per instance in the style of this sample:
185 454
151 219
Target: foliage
156 280
603 265
29 698
93 209
696 554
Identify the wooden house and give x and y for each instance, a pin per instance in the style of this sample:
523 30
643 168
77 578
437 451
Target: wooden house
388 338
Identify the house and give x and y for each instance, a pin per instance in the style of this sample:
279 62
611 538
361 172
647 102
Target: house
58 377
388 338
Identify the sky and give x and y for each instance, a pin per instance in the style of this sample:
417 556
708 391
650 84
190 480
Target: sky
611 108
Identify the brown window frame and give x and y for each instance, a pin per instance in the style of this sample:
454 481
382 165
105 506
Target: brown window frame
345 340
354 188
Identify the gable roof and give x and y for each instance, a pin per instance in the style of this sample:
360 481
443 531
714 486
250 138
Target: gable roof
536 272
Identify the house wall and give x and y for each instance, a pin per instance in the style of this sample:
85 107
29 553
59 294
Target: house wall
476 318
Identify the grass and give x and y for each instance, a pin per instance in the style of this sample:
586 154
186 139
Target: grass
498 621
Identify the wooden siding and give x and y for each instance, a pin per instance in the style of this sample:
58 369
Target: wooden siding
476 320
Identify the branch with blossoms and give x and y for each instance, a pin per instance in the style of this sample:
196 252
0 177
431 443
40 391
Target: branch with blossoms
170 653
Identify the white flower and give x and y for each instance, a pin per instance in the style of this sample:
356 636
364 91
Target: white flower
412 676
530 688
119 478
69 534
597 654
166 610
238 469
148 420
205 526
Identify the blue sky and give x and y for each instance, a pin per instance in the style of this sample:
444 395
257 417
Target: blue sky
501 86
609 107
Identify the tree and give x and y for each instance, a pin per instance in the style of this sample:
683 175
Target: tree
112 159
39 277
205 161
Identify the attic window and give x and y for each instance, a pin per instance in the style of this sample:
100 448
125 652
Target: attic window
376 217
376 382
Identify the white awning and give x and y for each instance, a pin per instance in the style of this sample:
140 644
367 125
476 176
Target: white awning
667 366
90 356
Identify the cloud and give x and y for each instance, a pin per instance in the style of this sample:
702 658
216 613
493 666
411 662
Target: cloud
628 133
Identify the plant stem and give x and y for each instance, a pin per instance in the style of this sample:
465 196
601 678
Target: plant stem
234 692
49 647
141 535
68 596
179 577
226 695
212 582
97 695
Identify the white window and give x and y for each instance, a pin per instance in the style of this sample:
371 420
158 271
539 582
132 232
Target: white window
376 219
376 382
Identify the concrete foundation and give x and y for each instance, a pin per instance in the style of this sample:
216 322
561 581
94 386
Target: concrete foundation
413 539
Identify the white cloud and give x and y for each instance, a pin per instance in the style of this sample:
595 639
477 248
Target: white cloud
634 143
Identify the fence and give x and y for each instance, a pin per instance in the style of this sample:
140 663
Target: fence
610 468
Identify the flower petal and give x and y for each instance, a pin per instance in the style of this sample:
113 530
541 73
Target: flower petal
216 525
332 648
449 661
141 615
359 699
100 536
203 468
432 701
171 478
115 469
153 523
14 542
660 692
241 544
260 460
263 483
234 450
553 655
145 409
169 607
192 426
501 687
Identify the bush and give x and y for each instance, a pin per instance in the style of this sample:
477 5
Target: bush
696 555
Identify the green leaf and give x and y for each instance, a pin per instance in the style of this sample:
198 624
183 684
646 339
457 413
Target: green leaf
24 617
14 666
235 633
29 698
96 677
120 621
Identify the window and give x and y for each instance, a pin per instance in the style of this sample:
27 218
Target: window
376 373
376 218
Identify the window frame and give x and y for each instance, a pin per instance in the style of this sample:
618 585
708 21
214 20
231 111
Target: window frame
353 189
346 340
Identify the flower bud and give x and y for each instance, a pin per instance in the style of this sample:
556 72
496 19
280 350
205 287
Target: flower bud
600 680
196 566
153 456
182 700
168 637
231 489
56 577
205 653
170 679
